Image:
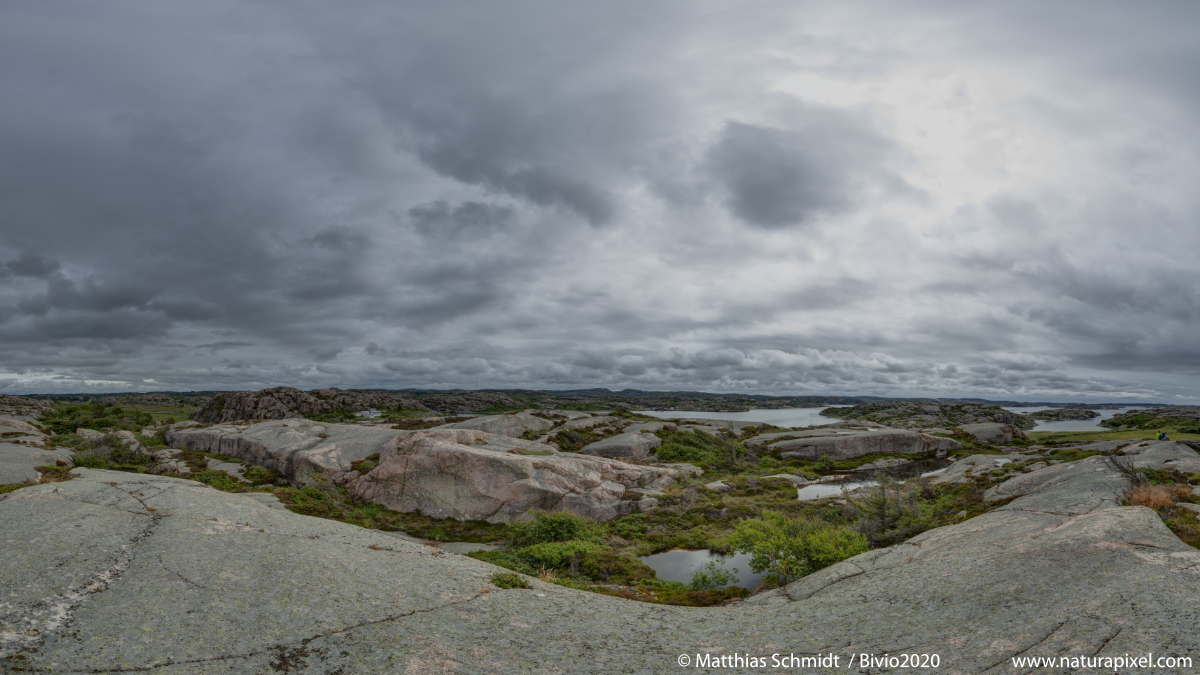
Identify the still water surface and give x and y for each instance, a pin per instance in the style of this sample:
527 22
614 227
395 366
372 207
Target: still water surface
805 417
1069 425
678 565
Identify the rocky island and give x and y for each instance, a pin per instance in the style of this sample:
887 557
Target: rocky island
1059 414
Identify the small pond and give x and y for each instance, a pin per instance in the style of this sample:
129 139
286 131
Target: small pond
679 564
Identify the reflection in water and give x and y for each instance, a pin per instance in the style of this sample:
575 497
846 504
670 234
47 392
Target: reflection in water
678 565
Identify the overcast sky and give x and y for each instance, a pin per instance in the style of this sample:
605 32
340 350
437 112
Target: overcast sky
921 198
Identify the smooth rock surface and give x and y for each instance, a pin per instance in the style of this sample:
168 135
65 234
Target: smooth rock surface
18 462
293 447
859 443
504 425
447 473
209 582
631 444
967 468
995 432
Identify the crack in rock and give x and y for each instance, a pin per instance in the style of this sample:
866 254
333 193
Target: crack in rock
289 653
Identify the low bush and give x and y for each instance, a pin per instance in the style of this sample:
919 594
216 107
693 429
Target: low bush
547 527
892 512
217 479
698 447
558 554
510 580
613 568
789 548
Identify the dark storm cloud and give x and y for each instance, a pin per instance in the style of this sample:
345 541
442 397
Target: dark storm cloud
688 195
782 177
439 219
31 265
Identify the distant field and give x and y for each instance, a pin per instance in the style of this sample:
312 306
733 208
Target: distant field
1125 435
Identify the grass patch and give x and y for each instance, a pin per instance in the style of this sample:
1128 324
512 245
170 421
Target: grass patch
509 580
1050 437
65 419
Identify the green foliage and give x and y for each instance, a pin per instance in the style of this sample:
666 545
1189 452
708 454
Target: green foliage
789 548
613 568
554 527
261 475
572 440
712 576
698 447
824 463
92 460
218 479
509 580
65 419
559 554
109 451
892 512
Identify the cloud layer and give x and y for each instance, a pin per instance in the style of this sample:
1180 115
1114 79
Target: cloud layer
775 197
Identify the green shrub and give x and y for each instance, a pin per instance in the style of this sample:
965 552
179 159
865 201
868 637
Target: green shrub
558 554
217 479
261 475
93 460
510 580
698 447
892 512
548 527
613 568
825 463
65 419
712 576
787 549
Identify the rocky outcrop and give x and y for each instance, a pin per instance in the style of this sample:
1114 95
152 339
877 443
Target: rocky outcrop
968 468
289 403
1155 417
514 425
125 572
294 448
630 445
918 414
1059 414
995 432
23 449
463 474
846 444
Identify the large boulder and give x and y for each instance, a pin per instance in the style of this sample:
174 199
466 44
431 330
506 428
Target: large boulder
514 425
995 432
849 444
472 475
294 448
631 444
